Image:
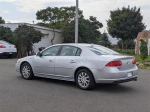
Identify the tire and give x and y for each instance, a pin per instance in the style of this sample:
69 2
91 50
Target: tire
26 71
85 80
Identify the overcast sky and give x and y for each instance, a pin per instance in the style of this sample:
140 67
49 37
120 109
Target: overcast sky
24 10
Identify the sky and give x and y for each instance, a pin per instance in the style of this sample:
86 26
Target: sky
14 11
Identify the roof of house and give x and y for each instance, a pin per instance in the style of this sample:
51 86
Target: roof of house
35 26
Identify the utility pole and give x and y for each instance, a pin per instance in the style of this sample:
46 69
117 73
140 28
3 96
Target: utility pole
76 23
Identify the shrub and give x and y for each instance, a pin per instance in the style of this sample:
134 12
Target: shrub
143 50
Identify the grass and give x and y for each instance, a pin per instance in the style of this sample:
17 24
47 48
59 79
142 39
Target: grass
144 67
138 59
131 52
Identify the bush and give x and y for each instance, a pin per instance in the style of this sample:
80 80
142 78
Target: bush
126 51
143 50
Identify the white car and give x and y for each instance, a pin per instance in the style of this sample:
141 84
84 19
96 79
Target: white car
7 49
85 64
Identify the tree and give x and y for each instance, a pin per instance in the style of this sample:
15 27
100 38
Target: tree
125 23
88 31
24 38
2 20
104 40
130 44
6 34
57 18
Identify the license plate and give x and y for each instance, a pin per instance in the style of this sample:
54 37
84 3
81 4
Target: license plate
10 53
129 74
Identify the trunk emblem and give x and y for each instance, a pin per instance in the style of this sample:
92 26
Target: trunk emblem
128 62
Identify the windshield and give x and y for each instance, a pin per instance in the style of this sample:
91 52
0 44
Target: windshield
100 50
4 42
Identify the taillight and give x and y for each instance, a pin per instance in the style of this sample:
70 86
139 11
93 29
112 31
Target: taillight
114 64
134 61
1 46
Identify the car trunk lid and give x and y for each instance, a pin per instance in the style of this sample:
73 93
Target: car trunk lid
127 61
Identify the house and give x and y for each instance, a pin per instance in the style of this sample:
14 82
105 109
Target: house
47 39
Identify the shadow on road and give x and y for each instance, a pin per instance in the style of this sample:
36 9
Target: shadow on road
112 88
107 88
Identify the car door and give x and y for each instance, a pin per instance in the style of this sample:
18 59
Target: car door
67 60
44 64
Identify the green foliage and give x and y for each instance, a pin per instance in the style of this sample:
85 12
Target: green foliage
6 34
130 44
125 23
24 38
57 17
126 51
143 50
88 31
42 24
2 20
104 40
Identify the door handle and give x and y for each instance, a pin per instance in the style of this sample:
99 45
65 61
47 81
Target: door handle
50 60
72 61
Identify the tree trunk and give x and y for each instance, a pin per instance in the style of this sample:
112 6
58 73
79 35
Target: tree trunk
122 44
28 52
53 36
126 44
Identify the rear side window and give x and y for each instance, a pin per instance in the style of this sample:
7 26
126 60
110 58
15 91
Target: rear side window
68 51
78 53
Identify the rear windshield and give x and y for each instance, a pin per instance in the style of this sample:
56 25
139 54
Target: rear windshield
4 42
100 50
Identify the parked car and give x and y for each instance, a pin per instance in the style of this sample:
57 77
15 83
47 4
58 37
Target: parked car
7 49
85 64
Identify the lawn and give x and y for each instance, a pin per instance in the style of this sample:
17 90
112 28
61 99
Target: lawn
138 59
130 52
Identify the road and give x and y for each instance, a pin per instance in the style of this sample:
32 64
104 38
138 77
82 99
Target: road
47 95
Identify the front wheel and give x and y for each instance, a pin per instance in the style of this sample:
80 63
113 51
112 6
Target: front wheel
85 79
26 71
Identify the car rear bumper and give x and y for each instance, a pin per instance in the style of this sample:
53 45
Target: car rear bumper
7 53
113 75
126 80
122 80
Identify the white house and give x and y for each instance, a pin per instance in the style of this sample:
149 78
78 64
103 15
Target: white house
48 34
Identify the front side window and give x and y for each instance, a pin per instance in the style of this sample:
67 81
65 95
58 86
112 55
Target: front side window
52 51
68 51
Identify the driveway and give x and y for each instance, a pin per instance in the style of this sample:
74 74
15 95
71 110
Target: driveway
47 95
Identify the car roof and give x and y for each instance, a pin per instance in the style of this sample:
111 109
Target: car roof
77 44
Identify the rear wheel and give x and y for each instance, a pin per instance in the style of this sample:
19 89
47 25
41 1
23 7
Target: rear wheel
26 71
85 79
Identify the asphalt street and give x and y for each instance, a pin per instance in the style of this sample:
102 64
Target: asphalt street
47 95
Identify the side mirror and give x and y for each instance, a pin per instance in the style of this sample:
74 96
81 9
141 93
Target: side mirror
39 54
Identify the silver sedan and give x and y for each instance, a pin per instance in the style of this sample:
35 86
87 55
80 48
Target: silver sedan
85 64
